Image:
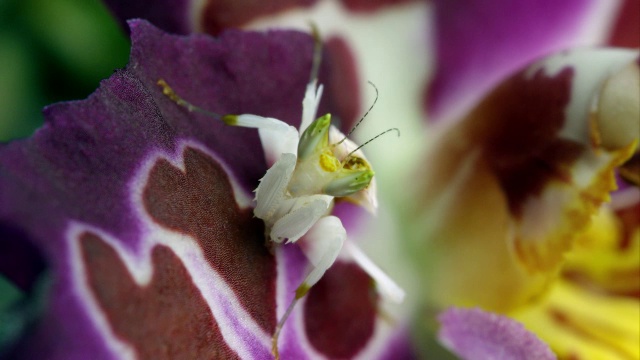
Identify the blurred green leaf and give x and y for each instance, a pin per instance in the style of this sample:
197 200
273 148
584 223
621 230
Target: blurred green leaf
52 51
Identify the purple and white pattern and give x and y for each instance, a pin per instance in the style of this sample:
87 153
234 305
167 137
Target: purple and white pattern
142 213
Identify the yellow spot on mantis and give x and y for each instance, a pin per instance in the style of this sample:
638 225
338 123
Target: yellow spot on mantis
328 162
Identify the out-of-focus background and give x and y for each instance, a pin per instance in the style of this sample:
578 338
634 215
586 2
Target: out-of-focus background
50 51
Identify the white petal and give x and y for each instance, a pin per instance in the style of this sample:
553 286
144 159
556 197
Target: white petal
296 223
386 286
618 108
272 188
310 104
277 137
322 246
591 67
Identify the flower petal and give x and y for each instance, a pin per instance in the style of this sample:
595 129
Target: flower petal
476 334
514 182
625 34
582 324
328 331
387 287
141 211
478 43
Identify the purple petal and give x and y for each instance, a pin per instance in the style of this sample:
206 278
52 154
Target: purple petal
141 209
477 43
476 334
170 15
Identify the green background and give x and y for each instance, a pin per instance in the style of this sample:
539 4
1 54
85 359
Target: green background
51 51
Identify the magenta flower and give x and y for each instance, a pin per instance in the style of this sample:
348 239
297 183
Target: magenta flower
140 213
135 207
475 334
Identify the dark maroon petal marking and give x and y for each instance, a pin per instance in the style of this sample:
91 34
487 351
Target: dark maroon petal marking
166 319
340 311
221 14
479 43
200 203
343 86
630 218
373 5
626 32
517 126
514 130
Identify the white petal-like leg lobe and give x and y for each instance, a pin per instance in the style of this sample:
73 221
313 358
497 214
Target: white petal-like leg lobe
385 285
275 143
295 224
273 186
277 137
310 104
322 246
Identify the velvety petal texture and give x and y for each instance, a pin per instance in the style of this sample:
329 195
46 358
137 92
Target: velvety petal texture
477 43
142 214
473 334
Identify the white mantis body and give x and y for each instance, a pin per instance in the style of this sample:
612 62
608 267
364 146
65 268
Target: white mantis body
311 167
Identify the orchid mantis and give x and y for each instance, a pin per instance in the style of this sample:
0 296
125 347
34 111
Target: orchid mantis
310 168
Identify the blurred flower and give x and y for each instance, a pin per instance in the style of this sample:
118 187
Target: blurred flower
592 309
513 181
510 189
476 334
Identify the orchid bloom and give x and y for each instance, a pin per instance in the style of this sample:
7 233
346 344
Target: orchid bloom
518 196
309 169
132 218
514 213
470 53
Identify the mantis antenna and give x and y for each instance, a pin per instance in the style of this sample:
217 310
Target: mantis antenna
317 52
364 116
373 138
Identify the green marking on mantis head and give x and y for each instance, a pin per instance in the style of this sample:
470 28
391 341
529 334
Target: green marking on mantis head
326 166
355 175
315 137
